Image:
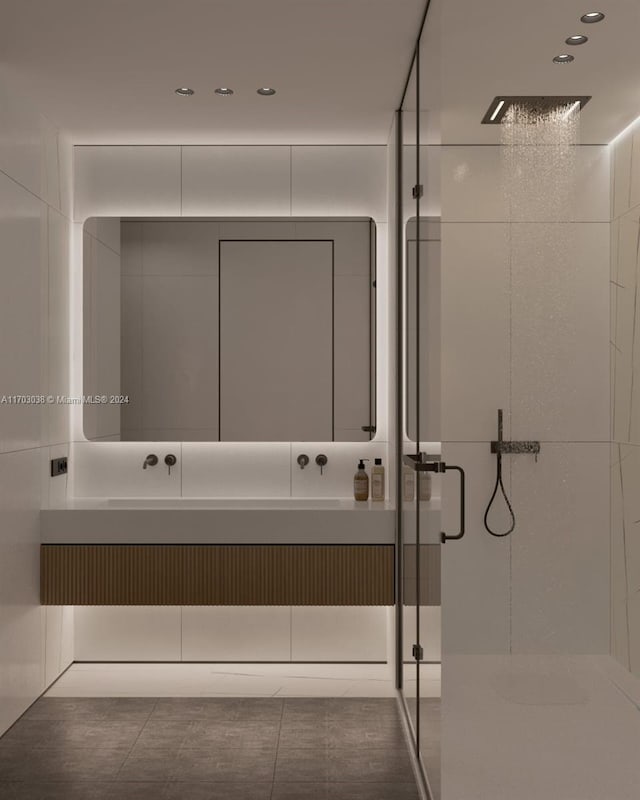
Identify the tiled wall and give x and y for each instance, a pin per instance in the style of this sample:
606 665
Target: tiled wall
526 331
231 633
625 400
35 645
228 181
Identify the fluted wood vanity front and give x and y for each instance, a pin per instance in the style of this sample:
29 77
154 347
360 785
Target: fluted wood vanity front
175 574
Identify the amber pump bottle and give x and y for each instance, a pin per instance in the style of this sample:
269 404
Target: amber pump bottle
361 482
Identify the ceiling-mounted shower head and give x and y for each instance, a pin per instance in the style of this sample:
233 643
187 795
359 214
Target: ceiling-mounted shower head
534 104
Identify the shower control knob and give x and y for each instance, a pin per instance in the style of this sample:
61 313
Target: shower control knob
302 460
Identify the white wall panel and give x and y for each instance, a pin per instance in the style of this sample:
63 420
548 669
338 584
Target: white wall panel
339 181
231 181
127 633
58 325
619 576
22 146
622 176
34 339
236 469
236 633
126 181
23 242
475 188
475 329
54 489
560 550
475 571
559 331
114 469
338 633
21 640
59 646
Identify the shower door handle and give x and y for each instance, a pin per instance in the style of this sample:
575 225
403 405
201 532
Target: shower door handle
419 462
444 537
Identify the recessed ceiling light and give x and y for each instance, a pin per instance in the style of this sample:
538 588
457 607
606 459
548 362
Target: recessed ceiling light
266 91
184 91
578 39
224 91
565 58
592 16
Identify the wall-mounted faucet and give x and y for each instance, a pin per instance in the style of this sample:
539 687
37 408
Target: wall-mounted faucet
150 461
321 461
170 460
303 460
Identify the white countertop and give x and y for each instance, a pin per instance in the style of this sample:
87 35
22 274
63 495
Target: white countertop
224 521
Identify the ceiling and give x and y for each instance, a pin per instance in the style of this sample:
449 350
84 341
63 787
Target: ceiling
506 47
106 70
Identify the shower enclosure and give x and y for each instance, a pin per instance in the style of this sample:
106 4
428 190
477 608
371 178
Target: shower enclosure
420 468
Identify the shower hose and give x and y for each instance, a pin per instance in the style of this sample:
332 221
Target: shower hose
499 485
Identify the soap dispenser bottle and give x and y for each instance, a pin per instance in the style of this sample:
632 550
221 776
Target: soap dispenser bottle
377 480
361 482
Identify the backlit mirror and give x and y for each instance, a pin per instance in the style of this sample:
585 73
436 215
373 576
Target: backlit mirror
229 330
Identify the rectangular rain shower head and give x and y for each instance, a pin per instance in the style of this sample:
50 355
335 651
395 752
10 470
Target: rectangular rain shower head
533 103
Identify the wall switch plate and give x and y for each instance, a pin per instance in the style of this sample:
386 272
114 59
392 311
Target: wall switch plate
58 466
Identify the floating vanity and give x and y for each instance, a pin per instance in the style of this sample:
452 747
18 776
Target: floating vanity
199 551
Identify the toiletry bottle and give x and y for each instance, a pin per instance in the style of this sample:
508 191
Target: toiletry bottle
424 484
377 480
408 484
361 482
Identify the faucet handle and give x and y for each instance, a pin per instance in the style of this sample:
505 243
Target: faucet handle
150 461
170 460
303 460
321 461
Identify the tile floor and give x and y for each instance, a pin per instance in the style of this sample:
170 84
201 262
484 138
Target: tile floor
207 748
236 680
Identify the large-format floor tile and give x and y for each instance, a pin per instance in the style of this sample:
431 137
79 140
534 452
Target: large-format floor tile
204 748
213 708
234 733
345 791
217 791
80 764
132 709
239 764
81 790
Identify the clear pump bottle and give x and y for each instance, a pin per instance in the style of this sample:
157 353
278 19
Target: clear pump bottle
377 480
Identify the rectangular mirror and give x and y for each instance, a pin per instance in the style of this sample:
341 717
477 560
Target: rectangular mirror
229 330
